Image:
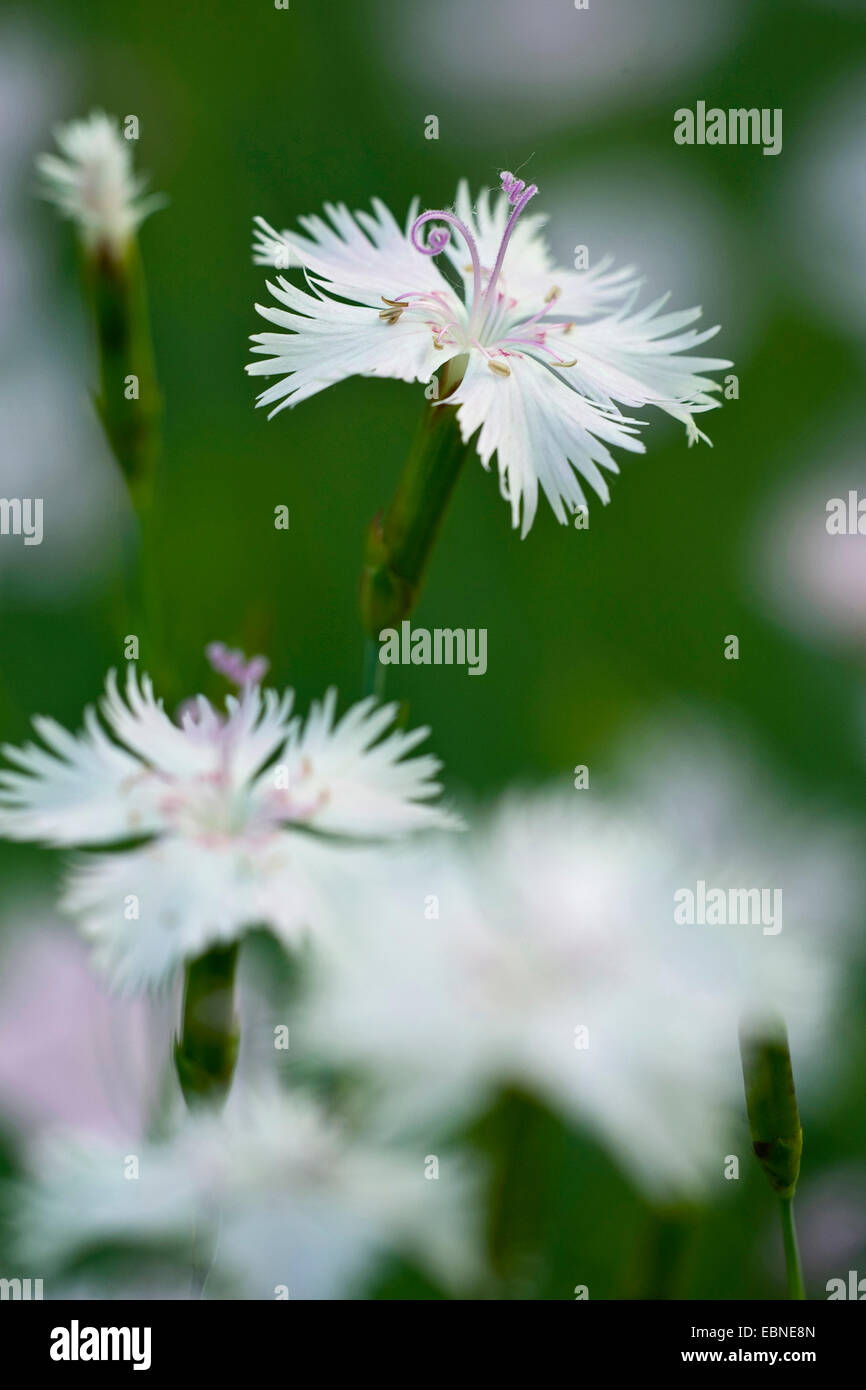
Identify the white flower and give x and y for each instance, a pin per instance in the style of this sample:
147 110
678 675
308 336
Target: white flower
272 1195
518 68
545 952
807 564
94 183
226 806
549 355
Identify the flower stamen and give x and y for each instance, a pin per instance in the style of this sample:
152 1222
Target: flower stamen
439 238
518 195
234 667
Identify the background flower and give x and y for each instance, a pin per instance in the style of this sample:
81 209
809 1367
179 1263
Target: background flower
588 630
92 181
71 1053
546 952
806 576
226 810
272 1195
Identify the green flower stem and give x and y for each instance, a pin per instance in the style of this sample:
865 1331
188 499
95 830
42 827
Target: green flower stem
666 1245
207 1050
374 671
793 1268
774 1121
130 411
399 543
129 405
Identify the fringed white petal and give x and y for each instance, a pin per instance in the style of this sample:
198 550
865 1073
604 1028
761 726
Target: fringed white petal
529 273
543 434
77 790
345 778
362 257
638 359
329 341
148 910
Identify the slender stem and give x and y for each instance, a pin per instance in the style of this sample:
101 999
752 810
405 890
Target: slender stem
666 1245
374 671
399 543
793 1267
512 1124
128 398
206 1052
129 404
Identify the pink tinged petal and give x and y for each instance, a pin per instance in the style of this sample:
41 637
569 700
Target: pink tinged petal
258 726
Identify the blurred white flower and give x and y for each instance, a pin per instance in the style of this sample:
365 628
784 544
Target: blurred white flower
94 184
54 448
821 207
226 805
559 65
274 1198
831 1221
688 235
55 452
544 353
545 952
808 576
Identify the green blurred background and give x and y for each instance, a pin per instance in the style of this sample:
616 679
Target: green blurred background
247 109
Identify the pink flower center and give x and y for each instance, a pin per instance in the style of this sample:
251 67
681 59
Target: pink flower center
490 326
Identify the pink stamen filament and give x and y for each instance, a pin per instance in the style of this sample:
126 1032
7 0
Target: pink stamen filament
439 238
436 295
430 299
440 335
232 665
536 343
518 195
545 309
490 307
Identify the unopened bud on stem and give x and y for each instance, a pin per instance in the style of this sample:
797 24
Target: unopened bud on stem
771 1102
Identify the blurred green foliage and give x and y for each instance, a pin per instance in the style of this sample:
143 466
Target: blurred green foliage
244 110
